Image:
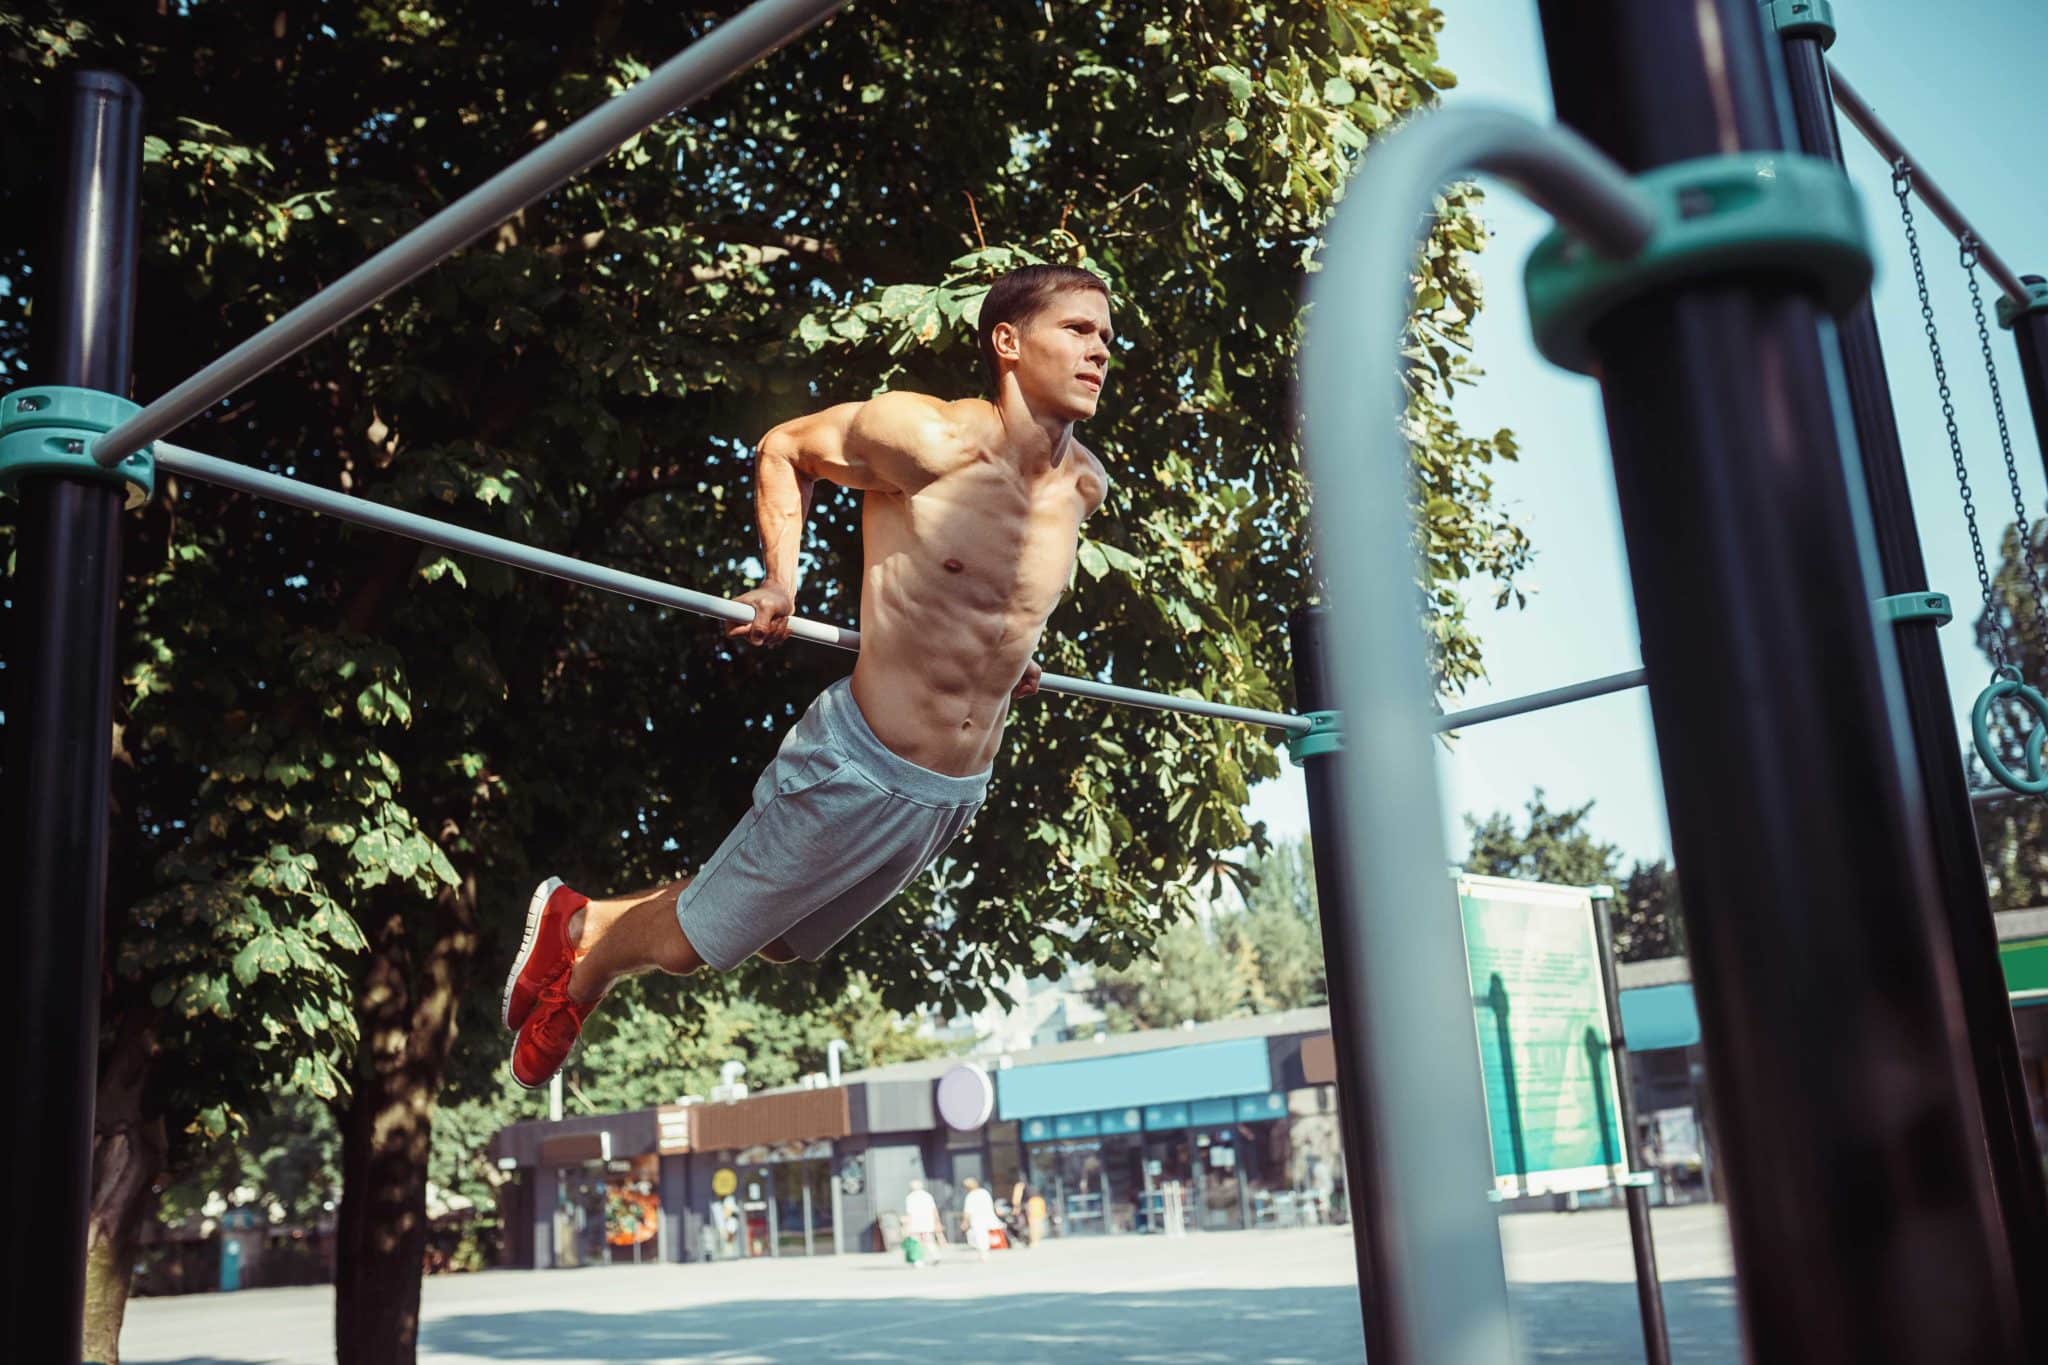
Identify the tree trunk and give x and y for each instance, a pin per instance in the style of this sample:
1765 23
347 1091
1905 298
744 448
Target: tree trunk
128 1154
407 1013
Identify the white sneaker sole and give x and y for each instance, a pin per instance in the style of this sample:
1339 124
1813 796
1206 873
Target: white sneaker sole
535 909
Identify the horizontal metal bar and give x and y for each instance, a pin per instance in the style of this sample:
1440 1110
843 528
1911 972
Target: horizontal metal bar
461 540
699 69
1939 204
1541 701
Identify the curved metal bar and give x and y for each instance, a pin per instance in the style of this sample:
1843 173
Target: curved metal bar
461 540
1410 970
699 69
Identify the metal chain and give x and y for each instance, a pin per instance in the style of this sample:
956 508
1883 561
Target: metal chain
1968 257
2001 651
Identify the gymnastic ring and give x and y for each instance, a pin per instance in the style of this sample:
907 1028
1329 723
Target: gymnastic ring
2034 783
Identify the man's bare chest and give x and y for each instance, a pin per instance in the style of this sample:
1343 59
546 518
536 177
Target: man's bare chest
985 530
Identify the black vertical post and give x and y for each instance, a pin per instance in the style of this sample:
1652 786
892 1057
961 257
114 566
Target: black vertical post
1359 1101
1649 1287
2030 331
2011 1152
1827 985
59 729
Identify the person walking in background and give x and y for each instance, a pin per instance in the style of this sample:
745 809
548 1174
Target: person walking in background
921 1221
1034 1217
1018 1226
978 1212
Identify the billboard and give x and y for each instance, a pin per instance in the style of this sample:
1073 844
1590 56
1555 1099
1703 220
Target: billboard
1553 1112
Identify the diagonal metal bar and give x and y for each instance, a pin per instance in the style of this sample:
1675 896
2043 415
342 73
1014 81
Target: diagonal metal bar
699 69
462 540
1859 112
1541 701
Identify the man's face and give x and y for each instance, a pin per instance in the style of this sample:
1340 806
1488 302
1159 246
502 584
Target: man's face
1062 353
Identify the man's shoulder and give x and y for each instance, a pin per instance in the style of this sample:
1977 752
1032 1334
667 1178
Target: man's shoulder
1091 478
910 405
936 432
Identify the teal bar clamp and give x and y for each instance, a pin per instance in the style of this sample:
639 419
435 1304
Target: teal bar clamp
1779 213
50 429
1915 606
1803 19
2011 310
1325 735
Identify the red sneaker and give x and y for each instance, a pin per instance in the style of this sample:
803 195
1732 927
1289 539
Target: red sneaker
544 950
548 1034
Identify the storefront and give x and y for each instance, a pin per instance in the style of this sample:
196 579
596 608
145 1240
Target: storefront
1204 1128
762 1178
589 1191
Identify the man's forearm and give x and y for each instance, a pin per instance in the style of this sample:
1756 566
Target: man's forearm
782 503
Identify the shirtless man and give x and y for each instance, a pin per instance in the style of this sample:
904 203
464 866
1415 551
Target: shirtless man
969 528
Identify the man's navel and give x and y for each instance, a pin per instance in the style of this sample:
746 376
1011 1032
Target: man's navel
954 566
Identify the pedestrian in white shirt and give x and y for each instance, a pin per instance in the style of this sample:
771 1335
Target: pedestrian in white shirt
921 1220
978 1211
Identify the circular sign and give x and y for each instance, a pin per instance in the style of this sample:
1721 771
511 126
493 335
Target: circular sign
966 1097
724 1181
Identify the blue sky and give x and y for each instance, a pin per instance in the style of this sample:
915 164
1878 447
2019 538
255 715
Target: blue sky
1963 94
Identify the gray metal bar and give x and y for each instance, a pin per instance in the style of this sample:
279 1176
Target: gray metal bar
1450 1308
1542 701
461 540
699 69
1939 204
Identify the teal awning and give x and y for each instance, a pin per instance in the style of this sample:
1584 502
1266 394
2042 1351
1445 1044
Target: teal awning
1654 1017
1171 1075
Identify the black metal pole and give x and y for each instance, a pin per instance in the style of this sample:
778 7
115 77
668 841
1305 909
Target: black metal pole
1649 1287
2030 332
59 730
2011 1152
1359 1103
1827 986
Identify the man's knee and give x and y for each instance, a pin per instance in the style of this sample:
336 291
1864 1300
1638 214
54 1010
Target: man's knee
678 956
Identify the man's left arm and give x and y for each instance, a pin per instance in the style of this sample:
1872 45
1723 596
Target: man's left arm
1094 484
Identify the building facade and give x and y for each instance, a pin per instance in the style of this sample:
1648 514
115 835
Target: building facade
1218 1127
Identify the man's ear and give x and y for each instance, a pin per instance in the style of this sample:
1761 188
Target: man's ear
1007 340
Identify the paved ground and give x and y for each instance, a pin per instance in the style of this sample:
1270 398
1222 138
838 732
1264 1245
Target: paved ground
1269 1296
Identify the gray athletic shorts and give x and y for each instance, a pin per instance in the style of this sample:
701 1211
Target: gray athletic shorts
840 824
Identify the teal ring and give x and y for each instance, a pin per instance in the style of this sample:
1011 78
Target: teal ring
2035 783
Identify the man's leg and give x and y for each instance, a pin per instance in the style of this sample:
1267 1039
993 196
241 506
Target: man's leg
626 935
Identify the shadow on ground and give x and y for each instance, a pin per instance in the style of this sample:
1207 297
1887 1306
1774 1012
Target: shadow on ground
1573 1321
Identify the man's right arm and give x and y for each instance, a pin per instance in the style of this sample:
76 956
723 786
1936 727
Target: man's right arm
882 445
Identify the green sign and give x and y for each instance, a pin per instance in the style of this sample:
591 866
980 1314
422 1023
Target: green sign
1552 1110
2026 970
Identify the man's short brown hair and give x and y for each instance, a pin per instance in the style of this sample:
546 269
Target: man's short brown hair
1018 296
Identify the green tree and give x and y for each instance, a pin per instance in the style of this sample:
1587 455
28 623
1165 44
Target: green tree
1192 974
1649 919
1280 922
1552 846
1557 846
343 761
